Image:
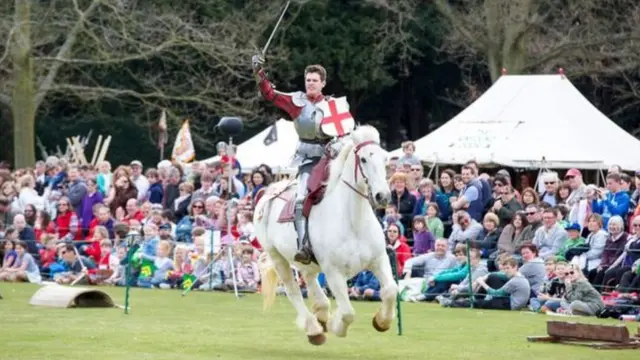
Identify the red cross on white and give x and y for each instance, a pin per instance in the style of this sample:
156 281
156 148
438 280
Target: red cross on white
337 119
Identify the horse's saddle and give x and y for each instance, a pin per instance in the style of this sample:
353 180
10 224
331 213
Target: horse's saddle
316 186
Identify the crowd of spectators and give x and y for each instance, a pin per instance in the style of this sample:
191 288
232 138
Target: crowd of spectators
566 247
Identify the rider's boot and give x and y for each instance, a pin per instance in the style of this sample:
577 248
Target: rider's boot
304 254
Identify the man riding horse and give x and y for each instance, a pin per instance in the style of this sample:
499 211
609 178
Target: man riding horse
317 121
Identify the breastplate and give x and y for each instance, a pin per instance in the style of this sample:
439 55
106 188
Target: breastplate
307 124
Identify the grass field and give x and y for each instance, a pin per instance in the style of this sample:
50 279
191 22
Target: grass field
163 325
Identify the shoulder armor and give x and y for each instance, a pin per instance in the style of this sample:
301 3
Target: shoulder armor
298 98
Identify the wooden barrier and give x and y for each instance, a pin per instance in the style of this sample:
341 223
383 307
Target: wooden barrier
590 335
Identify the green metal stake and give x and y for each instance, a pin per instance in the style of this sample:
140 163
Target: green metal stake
394 268
472 297
127 279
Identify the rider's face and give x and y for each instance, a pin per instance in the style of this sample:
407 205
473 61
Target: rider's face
313 84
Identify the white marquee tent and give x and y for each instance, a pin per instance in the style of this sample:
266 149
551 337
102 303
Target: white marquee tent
278 155
531 121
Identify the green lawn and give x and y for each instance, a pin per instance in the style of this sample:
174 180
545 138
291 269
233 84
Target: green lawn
163 325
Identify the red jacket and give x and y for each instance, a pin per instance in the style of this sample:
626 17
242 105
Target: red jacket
403 253
50 229
66 223
47 256
94 251
138 215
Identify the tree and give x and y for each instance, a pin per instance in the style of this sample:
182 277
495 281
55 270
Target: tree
191 57
594 38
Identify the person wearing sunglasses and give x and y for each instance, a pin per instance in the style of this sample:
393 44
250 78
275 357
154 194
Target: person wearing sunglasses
581 298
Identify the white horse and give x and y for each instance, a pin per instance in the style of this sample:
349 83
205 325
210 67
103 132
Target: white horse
345 236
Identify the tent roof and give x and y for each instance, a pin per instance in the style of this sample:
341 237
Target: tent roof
531 121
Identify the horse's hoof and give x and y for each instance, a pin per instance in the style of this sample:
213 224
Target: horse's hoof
324 325
377 326
317 339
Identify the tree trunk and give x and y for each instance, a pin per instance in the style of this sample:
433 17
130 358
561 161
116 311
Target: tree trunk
23 99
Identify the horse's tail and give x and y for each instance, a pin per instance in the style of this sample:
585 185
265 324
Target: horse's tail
269 278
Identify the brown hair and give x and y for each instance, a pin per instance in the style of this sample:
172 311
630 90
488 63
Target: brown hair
532 247
317 69
509 261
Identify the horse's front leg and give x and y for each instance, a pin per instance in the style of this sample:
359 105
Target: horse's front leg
321 303
388 294
345 314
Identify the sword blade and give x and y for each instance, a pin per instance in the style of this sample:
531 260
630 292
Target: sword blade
275 28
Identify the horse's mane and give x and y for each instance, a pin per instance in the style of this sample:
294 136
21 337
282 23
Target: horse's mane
359 135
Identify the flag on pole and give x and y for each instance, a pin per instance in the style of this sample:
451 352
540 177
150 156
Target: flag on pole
188 280
147 268
272 136
183 149
163 137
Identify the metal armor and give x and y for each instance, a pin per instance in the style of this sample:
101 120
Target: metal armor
307 125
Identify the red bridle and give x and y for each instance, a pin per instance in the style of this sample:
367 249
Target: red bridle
358 166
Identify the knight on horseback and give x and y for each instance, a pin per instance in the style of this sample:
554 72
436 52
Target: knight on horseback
312 114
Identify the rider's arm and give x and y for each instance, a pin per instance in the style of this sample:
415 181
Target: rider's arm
281 100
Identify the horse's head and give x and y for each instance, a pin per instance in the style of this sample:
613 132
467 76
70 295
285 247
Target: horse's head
368 170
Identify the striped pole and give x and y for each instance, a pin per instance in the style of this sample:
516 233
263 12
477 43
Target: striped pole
394 268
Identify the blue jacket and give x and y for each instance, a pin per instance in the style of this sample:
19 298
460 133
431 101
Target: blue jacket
155 193
612 205
366 280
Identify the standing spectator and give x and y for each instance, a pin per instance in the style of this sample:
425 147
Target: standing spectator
615 202
408 158
472 197
139 180
104 178
77 190
156 190
171 190
402 199
91 199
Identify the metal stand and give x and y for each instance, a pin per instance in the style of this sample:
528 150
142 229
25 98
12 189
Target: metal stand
230 154
394 267
133 239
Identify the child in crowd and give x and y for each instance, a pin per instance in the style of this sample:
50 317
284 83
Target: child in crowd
248 275
181 266
423 240
104 270
48 254
162 264
118 262
434 223
9 256
392 217
24 267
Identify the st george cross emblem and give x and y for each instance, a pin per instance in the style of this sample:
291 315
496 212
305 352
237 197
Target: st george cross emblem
337 120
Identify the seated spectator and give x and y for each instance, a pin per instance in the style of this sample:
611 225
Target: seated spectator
630 281
487 240
118 263
534 218
247 273
162 264
365 287
551 236
550 268
551 182
533 268
93 249
434 222
43 225
529 197
105 268
574 240
78 267
464 228
181 266
581 298
506 205
24 268
402 250
48 254
613 248
511 237
67 222
433 262
423 240
9 256
595 243
478 270
442 281
631 254
26 234
553 291
513 295
150 244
